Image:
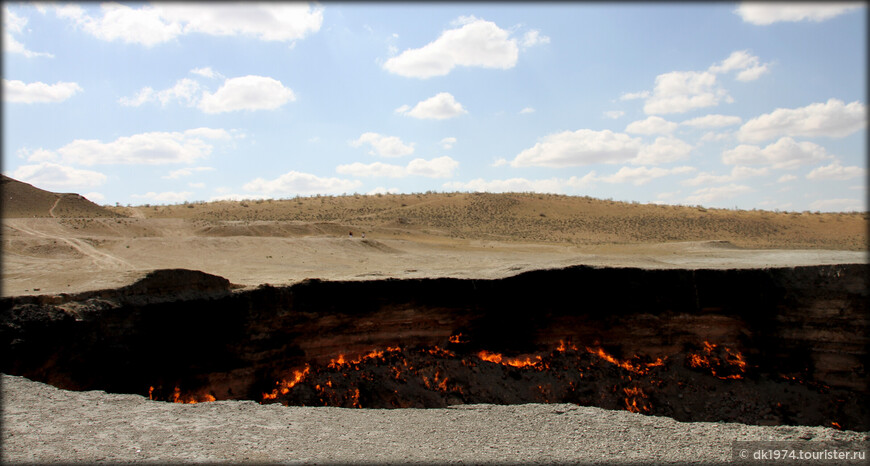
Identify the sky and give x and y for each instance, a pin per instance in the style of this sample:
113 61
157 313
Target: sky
728 105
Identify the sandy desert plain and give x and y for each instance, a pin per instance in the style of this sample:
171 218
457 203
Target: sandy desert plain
61 243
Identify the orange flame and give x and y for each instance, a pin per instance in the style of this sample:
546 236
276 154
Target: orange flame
836 425
285 385
177 397
632 397
150 391
457 338
708 360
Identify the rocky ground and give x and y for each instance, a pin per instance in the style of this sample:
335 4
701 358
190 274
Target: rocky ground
42 424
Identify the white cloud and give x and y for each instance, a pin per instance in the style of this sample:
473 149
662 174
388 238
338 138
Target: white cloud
634 95
13 23
37 155
642 175
839 205
38 92
441 167
146 148
439 107
614 114
652 125
185 90
168 196
527 110
749 65
737 173
768 13
663 150
207 72
713 121
532 38
786 178
835 171
385 146
55 177
447 143
681 91
382 190
831 119
247 93
94 196
175 174
154 24
581 147
713 194
196 185
277 22
476 43
293 183
784 153
711 136
522 185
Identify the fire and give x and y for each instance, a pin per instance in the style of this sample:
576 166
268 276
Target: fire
150 391
457 338
637 368
636 400
836 425
285 385
497 358
732 360
177 397
563 347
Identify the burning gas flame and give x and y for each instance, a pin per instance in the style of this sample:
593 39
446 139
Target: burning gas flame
497 358
457 338
285 385
178 397
731 361
636 400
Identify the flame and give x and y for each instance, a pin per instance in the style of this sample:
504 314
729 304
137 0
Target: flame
837 426
637 367
732 359
563 347
177 397
632 396
491 357
457 338
150 391
285 385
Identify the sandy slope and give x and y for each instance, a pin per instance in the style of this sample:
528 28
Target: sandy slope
47 255
44 424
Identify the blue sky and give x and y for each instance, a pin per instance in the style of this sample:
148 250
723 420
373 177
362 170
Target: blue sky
714 104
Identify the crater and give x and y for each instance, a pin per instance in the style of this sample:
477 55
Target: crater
776 346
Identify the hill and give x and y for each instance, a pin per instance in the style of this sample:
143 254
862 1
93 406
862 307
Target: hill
21 200
522 217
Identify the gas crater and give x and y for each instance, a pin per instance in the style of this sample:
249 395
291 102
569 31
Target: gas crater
777 346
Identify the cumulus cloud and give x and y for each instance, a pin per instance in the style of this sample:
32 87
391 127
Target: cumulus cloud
737 173
522 185
154 24
532 38
749 65
831 119
37 155
153 148
784 153
385 146
614 114
763 14
663 150
439 107
642 175
716 193
786 178
681 91
476 42
447 143
14 24
38 92
247 93
634 95
839 205
185 90
207 72
527 110
713 121
835 171
182 172
441 167
581 147
652 125
293 183
168 196
56 177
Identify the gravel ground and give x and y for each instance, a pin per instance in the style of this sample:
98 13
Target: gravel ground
44 424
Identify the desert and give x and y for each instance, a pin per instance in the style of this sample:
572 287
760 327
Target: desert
118 279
